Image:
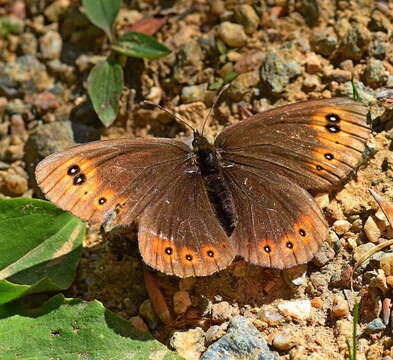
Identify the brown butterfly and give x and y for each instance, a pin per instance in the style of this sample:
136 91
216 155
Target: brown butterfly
200 207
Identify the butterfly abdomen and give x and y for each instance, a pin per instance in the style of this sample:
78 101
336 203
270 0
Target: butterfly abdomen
219 194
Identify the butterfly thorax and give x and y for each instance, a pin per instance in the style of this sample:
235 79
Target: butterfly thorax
220 197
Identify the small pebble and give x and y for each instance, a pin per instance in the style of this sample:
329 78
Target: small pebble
193 93
51 45
340 76
375 74
222 311
215 332
189 344
271 316
341 226
232 34
246 15
361 250
340 307
14 184
386 264
181 302
372 230
284 340
324 255
375 326
313 64
296 309
217 7
316 302
324 41
322 200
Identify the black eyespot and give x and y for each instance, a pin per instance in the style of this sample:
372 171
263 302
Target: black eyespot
169 250
188 257
302 232
319 167
102 201
79 179
73 170
333 128
210 253
329 156
333 118
289 245
267 249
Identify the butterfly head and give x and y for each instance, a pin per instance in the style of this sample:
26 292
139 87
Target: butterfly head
200 143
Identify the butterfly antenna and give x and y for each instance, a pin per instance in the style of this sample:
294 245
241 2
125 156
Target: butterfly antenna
177 117
214 106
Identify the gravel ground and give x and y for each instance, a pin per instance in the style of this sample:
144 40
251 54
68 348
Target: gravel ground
283 51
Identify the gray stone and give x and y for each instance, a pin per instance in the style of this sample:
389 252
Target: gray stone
46 140
189 61
374 326
242 341
375 74
354 42
324 41
278 69
324 255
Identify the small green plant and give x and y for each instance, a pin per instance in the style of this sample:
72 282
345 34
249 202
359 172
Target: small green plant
106 81
355 318
355 91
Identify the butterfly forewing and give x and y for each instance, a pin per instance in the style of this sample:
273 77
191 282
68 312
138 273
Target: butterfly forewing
316 143
98 180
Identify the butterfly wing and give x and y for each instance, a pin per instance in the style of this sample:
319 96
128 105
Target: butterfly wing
179 233
113 179
317 143
268 161
280 225
155 180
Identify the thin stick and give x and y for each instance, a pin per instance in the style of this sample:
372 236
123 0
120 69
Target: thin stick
214 105
177 117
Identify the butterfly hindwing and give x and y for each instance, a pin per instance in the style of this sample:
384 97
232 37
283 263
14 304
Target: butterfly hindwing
179 233
280 225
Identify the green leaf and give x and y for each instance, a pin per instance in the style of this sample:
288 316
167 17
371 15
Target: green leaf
221 47
102 13
217 84
140 45
104 85
232 75
68 329
40 247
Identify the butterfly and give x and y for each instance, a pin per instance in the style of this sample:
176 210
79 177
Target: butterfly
200 206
